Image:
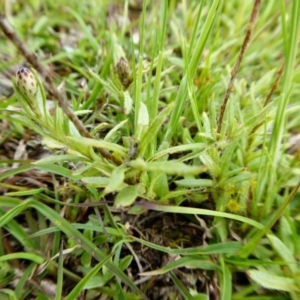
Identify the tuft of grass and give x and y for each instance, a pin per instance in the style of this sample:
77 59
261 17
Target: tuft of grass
159 156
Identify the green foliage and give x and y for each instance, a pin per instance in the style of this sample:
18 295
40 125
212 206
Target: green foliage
152 104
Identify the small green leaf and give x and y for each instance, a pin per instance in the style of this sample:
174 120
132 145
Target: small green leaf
167 167
26 193
127 196
270 281
154 127
194 183
284 253
112 133
85 142
92 274
161 185
97 181
116 179
212 165
53 144
56 169
5 293
143 119
127 103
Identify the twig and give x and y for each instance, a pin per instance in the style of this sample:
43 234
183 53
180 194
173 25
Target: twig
249 32
273 89
275 85
32 58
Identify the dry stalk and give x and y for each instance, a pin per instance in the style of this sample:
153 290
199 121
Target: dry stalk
275 85
236 67
273 89
32 59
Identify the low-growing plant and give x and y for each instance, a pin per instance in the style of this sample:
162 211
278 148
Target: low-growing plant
168 137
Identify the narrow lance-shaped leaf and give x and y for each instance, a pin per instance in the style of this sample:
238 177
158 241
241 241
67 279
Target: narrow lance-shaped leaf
154 127
270 281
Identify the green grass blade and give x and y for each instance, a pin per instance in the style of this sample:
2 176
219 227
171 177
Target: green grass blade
80 285
92 40
226 288
21 255
198 211
250 246
221 248
291 48
60 275
187 261
14 171
194 61
153 128
182 289
70 231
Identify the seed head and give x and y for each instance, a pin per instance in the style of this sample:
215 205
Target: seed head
124 73
26 82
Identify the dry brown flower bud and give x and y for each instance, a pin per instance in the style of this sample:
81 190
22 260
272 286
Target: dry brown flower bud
124 73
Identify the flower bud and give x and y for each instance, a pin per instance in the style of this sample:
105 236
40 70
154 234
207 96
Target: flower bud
124 73
28 87
26 82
